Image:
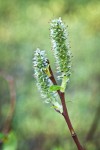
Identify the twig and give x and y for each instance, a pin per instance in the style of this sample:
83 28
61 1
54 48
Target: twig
7 124
65 113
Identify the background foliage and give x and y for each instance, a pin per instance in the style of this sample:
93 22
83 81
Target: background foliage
24 26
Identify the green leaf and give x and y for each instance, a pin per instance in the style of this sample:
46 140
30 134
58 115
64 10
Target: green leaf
11 142
2 135
54 88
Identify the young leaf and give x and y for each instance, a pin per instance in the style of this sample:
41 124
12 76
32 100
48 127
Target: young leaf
11 142
2 136
54 88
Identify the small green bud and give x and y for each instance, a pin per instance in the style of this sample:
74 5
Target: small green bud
58 107
3 137
60 45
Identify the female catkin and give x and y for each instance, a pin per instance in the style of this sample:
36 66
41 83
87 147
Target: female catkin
60 46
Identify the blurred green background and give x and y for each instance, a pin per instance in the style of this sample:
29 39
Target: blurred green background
24 26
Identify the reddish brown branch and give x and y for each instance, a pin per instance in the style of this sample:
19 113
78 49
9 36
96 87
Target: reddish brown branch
67 119
10 80
65 114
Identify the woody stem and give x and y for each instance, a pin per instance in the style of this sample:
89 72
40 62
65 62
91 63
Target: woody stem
65 113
